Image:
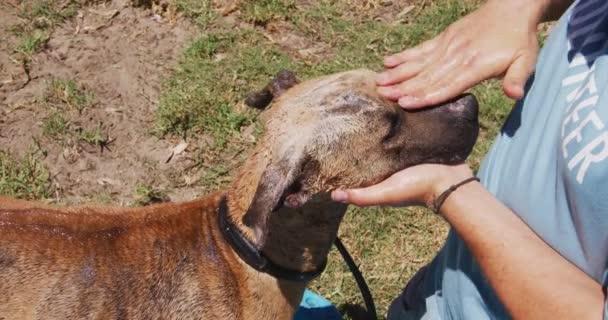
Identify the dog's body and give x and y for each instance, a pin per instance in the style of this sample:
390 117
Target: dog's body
171 261
167 261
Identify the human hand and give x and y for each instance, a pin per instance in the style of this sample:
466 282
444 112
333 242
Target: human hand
498 39
417 185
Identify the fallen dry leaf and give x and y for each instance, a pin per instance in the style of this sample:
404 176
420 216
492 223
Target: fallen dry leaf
178 149
107 181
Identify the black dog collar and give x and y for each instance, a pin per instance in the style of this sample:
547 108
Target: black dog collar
254 257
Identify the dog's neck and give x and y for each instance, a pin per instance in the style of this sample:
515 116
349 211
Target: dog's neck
297 239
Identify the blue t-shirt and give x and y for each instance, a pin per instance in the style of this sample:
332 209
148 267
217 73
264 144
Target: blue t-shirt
549 165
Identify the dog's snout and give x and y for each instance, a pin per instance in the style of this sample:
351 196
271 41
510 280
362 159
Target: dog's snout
465 106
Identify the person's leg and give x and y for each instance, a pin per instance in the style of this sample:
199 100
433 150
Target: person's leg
314 307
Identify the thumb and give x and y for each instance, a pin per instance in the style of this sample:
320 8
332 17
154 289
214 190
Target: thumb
517 75
383 193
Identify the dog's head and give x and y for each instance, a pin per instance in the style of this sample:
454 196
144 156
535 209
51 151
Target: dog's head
336 131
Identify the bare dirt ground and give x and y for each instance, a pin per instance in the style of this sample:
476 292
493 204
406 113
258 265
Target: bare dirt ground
119 55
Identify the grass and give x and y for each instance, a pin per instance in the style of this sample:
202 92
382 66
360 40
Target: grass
55 126
243 59
59 129
260 12
94 137
68 92
24 177
32 42
38 19
194 102
145 194
199 11
65 96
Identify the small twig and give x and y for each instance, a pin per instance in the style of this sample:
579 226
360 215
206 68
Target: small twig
26 69
195 165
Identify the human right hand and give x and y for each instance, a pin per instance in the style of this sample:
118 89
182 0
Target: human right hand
498 39
418 185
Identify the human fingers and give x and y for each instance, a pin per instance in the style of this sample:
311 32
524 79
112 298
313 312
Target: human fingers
396 190
414 92
414 53
399 73
409 78
517 75
452 85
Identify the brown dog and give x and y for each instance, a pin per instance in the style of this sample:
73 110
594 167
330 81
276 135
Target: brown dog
173 261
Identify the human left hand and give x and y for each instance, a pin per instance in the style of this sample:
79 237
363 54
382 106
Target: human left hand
475 48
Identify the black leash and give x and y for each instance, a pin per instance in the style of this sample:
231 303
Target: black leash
370 307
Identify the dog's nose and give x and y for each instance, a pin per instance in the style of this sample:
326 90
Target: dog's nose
465 106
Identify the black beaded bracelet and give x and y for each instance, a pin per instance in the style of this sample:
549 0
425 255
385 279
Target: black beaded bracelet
441 199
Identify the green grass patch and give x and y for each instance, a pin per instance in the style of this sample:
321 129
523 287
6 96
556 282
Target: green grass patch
55 126
260 12
145 194
389 245
65 96
216 176
38 19
24 177
199 11
43 14
219 68
216 72
94 137
32 42
67 92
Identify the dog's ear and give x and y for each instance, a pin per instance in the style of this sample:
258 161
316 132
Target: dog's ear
278 186
284 80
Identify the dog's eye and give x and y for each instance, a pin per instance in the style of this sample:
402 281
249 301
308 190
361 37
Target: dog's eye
394 121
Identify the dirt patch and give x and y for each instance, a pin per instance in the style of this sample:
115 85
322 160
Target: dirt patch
117 57
12 74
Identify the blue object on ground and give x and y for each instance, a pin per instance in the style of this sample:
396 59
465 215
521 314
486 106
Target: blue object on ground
315 307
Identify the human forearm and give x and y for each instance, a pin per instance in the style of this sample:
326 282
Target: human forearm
531 279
